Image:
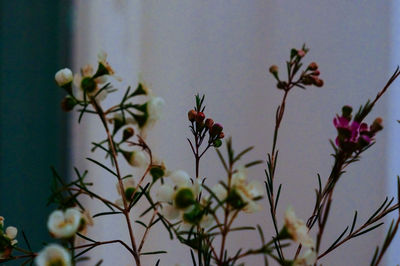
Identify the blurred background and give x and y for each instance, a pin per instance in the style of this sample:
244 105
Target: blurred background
222 49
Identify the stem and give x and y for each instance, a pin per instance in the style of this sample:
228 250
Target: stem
101 114
104 243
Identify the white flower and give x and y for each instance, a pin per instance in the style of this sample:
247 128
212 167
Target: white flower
63 76
180 196
248 192
219 191
64 224
297 229
307 258
53 254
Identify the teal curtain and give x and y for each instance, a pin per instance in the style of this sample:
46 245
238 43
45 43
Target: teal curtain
34 44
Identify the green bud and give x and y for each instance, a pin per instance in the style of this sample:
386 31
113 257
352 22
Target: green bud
346 111
217 143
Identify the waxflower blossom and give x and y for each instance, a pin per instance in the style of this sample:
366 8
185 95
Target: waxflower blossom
297 229
53 254
179 201
7 239
353 135
242 195
64 224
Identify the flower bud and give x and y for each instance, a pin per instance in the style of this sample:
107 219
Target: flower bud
377 125
273 69
200 117
216 129
221 135
68 103
315 73
128 132
301 53
318 82
313 66
209 123
192 115
217 143
307 80
63 77
346 111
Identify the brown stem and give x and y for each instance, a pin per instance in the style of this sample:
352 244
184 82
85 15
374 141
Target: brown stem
100 112
147 230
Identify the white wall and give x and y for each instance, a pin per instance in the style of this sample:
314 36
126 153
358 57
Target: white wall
224 49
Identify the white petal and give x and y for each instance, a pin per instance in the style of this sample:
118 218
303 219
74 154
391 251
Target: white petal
240 175
219 191
53 254
255 189
11 232
180 178
206 221
165 193
170 212
138 159
154 107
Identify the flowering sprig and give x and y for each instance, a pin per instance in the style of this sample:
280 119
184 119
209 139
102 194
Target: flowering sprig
307 77
198 214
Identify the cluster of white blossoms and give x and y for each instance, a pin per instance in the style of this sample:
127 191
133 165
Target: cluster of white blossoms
53 254
179 201
298 232
7 239
242 195
65 224
87 83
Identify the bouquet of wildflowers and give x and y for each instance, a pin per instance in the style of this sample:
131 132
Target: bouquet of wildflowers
196 216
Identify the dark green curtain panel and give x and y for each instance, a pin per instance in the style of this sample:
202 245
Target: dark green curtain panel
34 43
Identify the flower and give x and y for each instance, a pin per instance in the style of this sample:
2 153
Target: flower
7 239
104 66
129 187
307 258
242 195
179 201
64 224
53 254
63 77
297 229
